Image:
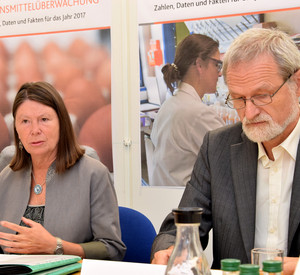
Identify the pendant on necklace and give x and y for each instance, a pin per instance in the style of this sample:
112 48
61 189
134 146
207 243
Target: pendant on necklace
38 189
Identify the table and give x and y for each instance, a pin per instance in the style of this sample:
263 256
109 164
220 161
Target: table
112 267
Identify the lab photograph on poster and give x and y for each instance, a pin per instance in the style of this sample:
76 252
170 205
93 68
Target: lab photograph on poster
158 43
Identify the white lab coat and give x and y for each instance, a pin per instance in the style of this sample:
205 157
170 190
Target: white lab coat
177 135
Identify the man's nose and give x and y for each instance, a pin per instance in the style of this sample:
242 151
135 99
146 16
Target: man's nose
251 110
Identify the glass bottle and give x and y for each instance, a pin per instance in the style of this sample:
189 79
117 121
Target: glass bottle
230 266
187 257
272 267
249 269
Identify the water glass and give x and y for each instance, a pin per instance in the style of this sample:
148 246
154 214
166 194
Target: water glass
258 255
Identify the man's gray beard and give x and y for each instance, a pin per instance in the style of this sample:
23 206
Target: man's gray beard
270 129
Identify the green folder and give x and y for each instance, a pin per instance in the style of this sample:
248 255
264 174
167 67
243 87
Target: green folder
39 264
63 270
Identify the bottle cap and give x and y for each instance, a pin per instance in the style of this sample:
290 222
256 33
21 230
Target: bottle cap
272 266
187 214
230 264
249 269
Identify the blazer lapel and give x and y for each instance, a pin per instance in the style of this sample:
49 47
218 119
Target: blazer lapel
294 217
244 173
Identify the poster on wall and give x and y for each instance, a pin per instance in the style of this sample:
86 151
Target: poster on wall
162 25
66 43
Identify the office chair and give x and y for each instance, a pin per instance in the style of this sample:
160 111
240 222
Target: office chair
138 234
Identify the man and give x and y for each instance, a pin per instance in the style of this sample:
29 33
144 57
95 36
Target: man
247 176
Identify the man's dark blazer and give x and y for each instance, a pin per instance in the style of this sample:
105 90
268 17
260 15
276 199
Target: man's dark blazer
223 183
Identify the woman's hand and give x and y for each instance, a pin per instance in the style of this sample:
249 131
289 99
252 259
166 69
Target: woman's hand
34 239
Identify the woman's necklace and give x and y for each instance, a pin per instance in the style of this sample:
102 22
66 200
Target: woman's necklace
38 188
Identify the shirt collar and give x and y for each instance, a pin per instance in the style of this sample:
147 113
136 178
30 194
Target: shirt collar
188 89
290 145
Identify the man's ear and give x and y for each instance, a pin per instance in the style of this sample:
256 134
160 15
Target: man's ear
296 78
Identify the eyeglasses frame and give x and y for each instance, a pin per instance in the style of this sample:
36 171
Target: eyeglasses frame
218 62
251 98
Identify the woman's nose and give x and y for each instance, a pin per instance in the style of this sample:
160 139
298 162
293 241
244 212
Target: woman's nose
35 128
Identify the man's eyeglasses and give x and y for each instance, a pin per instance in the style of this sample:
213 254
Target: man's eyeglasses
257 100
219 63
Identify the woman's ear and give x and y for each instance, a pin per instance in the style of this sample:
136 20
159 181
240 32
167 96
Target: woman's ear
199 64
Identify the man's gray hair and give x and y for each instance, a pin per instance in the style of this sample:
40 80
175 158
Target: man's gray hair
254 42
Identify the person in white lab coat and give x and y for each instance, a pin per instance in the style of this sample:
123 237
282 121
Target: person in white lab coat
183 119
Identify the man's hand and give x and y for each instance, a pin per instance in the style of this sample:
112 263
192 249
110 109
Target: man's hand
162 256
289 265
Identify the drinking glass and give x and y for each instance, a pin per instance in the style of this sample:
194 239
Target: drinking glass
258 255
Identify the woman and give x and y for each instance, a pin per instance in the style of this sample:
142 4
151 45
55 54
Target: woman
53 196
183 119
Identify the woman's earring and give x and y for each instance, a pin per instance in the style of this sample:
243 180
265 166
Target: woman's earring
20 145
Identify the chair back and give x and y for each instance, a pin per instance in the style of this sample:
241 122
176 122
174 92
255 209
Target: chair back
138 234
